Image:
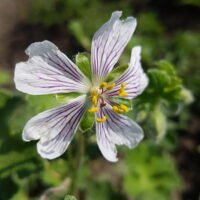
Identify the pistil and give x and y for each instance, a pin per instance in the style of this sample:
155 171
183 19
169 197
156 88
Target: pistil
97 98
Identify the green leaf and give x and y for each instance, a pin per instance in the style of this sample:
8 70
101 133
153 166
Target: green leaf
70 197
167 67
116 73
101 190
78 31
4 96
14 114
20 195
164 96
158 79
189 2
43 102
65 98
5 77
150 173
186 96
82 61
87 121
54 172
159 122
150 23
15 161
164 83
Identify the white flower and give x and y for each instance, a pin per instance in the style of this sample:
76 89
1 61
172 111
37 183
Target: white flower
49 71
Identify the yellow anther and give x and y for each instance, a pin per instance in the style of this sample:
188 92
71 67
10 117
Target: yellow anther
100 120
124 108
102 85
94 100
93 109
115 109
123 85
121 90
120 109
122 93
111 86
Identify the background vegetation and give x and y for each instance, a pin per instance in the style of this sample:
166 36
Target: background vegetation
166 164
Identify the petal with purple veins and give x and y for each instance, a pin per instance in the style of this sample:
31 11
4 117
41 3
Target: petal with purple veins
134 77
55 128
37 77
48 71
116 130
109 42
50 53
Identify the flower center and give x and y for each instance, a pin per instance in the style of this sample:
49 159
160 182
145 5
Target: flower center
98 102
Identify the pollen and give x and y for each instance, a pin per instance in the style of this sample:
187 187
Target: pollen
93 109
115 109
94 96
100 120
122 92
124 108
120 109
110 86
106 86
123 85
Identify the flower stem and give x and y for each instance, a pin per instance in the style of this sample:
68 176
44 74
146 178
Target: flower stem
79 161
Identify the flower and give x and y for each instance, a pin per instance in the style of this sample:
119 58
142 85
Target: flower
49 71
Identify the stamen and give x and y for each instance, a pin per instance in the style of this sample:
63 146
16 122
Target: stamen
120 109
122 93
102 85
111 86
100 120
115 109
123 85
124 108
93 109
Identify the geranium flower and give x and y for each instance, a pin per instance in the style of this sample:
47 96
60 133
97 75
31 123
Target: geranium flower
49 71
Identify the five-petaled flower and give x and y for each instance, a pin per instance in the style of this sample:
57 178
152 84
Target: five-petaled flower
49 71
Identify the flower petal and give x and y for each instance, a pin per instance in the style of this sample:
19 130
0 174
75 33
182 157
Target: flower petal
55 128
50 53
48 71
109 42
134 77
116 130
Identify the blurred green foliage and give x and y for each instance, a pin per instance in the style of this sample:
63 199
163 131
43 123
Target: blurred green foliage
164 97
152 175
149 171
189 2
